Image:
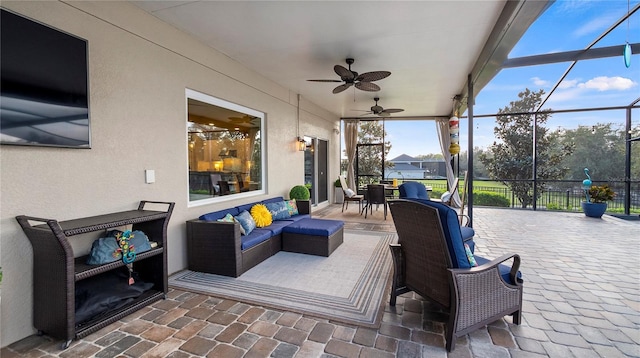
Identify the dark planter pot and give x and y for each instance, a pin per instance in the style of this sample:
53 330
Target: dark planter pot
594 210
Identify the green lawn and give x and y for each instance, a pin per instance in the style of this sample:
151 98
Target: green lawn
476 183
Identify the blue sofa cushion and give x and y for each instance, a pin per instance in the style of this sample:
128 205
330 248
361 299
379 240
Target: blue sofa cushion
298 217
316 227
273 200
451 228
277 226
413 190
504 269
245 207
213 216
254 238
278 210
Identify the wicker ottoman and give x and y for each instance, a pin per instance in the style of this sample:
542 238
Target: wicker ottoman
313 236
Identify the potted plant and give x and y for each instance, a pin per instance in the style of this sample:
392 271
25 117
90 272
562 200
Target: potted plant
339 194
301 195
598 196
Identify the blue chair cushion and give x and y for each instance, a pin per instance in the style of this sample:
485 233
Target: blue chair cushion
504 269
213 216
254 238
413 190
467 232
451 229
316 227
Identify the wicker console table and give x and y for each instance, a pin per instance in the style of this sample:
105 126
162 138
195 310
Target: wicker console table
56 271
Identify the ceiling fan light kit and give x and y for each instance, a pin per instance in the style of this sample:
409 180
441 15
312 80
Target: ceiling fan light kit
350 78
379 111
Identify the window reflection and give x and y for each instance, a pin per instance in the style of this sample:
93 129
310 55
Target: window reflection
224 146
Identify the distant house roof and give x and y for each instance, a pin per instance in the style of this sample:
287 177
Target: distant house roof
404 158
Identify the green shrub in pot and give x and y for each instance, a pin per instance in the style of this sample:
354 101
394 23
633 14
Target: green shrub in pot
299 192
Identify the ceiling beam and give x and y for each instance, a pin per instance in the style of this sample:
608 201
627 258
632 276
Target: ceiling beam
515 19
569 56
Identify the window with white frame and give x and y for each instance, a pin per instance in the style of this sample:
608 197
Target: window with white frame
224 142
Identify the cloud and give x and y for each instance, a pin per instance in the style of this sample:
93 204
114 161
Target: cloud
540 82
604 83
594 26
565 84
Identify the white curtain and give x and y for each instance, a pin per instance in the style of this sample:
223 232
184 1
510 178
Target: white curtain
351 141
442 125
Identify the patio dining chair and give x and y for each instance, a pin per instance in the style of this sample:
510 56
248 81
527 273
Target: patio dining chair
375 196
225 188
433 260
350 195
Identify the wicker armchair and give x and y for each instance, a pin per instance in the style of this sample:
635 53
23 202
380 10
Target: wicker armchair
428 262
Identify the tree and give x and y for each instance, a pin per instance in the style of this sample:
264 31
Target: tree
599 148
511 159
479 170
370 146
430 156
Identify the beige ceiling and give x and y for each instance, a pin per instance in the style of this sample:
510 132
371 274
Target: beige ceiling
430 47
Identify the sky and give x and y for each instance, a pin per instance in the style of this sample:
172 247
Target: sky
567 25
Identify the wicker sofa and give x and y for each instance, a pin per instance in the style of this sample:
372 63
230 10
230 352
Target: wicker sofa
218 248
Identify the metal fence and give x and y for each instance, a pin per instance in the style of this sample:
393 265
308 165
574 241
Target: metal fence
564 195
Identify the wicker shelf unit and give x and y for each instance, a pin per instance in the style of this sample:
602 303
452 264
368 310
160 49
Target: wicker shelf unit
56 270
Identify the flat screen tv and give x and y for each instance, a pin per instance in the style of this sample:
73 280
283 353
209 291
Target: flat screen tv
44 91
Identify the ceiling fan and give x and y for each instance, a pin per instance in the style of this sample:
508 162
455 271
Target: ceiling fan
350 78
378 110
244 119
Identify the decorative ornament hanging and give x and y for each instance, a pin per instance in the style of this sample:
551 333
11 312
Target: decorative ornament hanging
454 134
626 53
126 251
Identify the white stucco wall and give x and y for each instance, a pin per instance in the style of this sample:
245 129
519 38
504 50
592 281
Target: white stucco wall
139 69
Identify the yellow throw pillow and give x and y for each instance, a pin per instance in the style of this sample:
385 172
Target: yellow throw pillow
261 215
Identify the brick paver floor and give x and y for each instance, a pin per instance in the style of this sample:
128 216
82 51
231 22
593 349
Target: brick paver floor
581 299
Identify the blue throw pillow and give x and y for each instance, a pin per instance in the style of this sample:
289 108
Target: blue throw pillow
278 210
246 221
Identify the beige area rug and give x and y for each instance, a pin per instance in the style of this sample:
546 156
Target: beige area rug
350 286
352 214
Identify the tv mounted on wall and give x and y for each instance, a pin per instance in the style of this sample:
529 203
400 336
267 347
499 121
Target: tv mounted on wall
44 91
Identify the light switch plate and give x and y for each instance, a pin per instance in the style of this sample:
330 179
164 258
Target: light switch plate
149 176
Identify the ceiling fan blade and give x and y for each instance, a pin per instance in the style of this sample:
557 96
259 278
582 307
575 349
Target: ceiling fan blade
373 76
324 80
343 73
366 114
393 110
384 114
342 87
367 86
